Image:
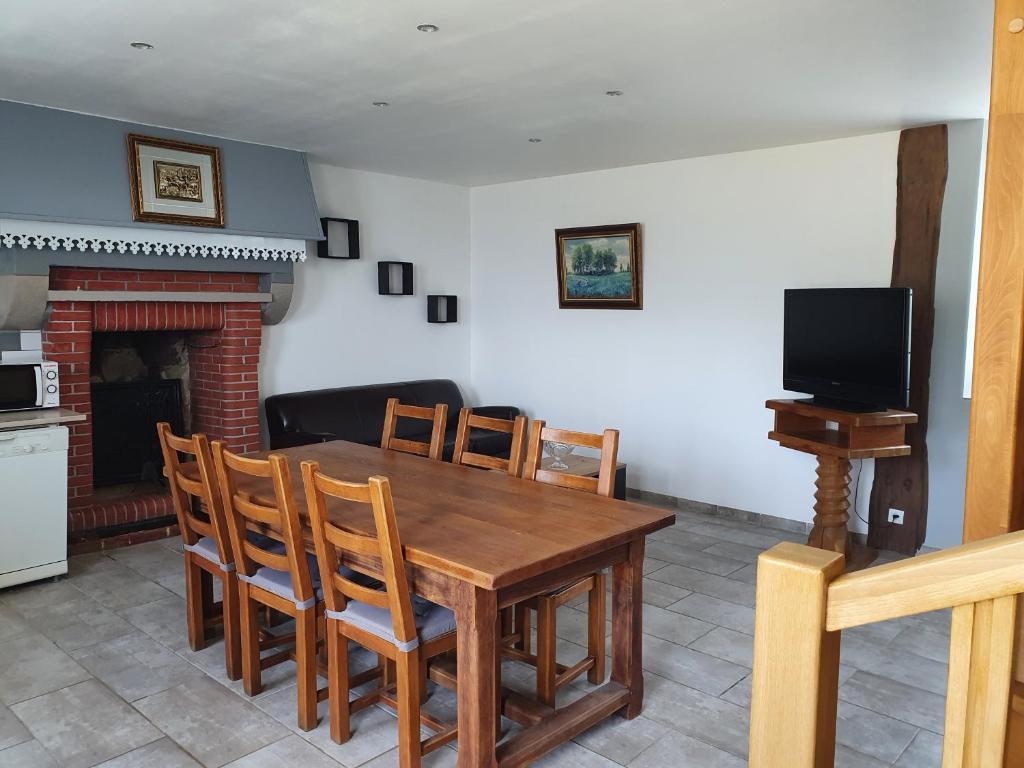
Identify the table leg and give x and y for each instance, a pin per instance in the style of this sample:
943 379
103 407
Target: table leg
831 504
627 624
476 616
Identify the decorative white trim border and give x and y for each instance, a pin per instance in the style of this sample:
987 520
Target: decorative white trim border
55 236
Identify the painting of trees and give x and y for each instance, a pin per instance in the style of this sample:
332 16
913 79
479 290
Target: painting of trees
588 261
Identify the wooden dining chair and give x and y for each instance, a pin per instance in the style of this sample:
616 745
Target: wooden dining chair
438 416
516 428
275 573
384 620
206 543
550 674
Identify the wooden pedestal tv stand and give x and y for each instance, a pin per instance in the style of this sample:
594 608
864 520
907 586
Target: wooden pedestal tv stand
836 437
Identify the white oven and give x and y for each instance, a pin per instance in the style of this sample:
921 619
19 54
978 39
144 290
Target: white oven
29 385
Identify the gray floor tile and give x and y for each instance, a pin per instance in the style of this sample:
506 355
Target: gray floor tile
692 558
689 667
162 753
231 727
136 666
622 740
12 730
739 552
682 750
153 560
707 584
289 752
12 624
721 612
895 699
924 642
31 665
442 758
68 617
872 734
374 730
163 620
740 693
674 627
747 574
710 719
849 758
727 644
894 663
572 755
84 724
28 754
119 588
662 595
685 538
925 751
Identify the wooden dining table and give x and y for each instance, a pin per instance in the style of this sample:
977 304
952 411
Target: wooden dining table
478 541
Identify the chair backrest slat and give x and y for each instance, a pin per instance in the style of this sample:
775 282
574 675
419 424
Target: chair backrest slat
437 416
192 481
607 442
327 536
516 428
247 510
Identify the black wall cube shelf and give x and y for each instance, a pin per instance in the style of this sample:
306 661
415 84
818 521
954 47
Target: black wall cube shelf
442 309
394 278
341 239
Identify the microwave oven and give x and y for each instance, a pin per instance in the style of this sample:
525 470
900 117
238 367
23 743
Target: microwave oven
29 385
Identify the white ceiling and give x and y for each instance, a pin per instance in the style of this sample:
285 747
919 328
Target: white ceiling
700 76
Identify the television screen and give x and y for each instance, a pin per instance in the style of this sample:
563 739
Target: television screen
850 345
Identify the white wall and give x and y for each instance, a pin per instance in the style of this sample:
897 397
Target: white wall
948 411
339 331
685 379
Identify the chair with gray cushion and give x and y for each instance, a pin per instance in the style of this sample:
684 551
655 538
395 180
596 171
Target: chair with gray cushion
274 572
207 546
407 632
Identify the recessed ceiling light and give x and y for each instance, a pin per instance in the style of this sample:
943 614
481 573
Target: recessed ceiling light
381 104
140 46
613 93
534 140
428 27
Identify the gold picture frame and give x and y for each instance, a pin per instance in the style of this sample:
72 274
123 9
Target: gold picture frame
175 182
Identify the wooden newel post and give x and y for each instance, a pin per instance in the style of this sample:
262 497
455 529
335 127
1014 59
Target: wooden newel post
796 661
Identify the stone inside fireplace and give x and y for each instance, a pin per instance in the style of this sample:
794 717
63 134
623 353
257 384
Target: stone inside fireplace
137 378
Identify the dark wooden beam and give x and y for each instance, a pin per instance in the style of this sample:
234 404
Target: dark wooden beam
902 482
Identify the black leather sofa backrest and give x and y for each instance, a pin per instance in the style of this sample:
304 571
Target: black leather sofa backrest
357 413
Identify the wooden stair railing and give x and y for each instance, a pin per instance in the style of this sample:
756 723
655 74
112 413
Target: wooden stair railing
803 604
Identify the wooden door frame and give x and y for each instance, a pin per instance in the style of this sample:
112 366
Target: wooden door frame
994 499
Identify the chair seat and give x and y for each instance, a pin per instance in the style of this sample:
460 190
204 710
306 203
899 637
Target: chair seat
206 548
280 583
432 621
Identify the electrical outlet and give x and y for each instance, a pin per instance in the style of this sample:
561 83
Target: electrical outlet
896 516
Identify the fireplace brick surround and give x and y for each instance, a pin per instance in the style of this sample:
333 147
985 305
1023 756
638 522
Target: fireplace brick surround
224 352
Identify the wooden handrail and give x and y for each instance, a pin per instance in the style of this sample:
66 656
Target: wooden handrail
803 602
971 573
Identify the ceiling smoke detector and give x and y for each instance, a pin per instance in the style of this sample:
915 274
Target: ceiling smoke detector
382 104
613 93
534 140
140 46
428 27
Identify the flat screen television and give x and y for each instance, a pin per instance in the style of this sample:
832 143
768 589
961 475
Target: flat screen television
848 347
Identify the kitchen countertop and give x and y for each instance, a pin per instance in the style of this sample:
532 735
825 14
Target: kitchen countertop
38 417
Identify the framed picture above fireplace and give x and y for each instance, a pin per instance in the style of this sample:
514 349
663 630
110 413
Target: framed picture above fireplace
174 182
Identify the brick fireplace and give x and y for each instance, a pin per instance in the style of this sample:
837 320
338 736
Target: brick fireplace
223 357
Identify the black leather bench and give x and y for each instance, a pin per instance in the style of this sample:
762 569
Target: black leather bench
356 414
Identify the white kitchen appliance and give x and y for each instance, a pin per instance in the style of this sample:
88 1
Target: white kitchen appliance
33 504
25 386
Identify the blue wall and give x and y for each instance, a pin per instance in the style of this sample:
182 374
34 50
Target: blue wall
68 167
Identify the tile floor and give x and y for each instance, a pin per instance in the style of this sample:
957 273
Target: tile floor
95 671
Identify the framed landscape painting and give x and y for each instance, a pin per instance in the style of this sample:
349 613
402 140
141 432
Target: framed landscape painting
599 267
